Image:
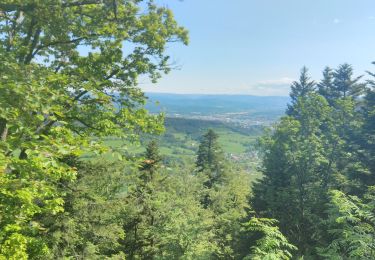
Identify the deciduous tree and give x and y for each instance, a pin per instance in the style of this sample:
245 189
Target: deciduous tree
69 72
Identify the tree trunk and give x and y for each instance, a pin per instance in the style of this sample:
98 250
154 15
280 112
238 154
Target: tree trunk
3 129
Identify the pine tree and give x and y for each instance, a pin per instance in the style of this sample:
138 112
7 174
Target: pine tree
369 128
91 225
226 195
169 222
346 105
326 86
142 240
152 157
344 83
365 138
323 146
210 162
300 89
210 156
295 167
369 125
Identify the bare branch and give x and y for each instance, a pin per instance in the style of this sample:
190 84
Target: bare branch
30 56
40 47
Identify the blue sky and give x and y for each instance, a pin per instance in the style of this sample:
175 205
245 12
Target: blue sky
257 47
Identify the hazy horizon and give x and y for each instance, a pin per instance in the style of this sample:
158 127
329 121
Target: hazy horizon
212 94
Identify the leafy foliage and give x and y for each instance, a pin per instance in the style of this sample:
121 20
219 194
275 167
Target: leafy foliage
352 227
56 95
272 244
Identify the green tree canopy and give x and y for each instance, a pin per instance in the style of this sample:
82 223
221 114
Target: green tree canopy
271 244
69 72
351 225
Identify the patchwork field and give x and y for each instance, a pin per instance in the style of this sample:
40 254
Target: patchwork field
179 143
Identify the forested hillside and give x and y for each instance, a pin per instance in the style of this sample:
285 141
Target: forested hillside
87 172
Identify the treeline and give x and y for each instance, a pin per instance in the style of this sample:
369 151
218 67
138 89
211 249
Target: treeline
144 210
319 167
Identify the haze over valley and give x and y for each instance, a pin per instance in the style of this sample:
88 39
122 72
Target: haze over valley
241 110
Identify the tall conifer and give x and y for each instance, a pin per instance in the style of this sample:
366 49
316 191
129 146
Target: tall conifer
210 154
345 84
300 89
326 86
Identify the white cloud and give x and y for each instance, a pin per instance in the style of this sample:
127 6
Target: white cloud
270 87
280 81
195 85
267 90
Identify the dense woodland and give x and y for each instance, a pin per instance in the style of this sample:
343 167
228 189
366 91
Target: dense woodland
69 76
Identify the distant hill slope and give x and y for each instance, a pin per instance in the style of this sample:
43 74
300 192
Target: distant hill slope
190 104
195 128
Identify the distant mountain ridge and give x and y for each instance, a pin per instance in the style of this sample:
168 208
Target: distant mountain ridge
197 104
